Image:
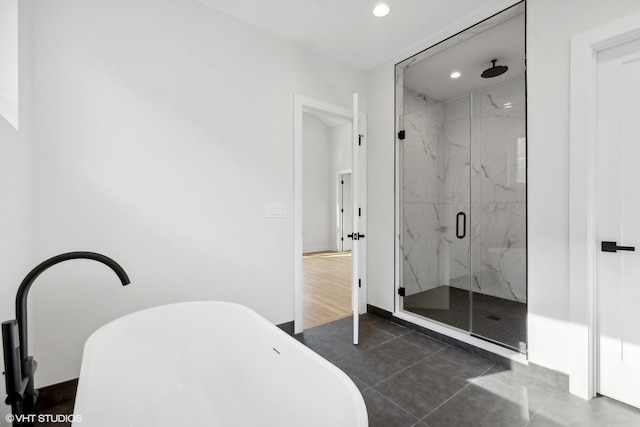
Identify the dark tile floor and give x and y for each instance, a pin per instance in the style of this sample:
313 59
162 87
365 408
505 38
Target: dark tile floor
57 400
408 379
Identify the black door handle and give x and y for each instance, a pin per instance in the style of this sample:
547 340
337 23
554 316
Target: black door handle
464 225
613 247
355 236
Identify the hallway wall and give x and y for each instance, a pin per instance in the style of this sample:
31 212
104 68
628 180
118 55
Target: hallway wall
317 234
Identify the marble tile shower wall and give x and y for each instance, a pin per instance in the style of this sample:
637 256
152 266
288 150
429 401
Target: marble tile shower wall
437 183
498 191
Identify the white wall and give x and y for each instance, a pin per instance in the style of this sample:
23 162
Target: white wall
317 182
550 25
341 149
380 188
163 130
16 188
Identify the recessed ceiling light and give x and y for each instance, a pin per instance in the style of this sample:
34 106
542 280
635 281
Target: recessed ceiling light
455 74
381 10
507 105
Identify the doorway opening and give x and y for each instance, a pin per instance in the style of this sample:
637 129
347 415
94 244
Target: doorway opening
346 159
327 218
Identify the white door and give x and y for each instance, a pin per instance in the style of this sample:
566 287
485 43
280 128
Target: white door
355 196
618 220
346 216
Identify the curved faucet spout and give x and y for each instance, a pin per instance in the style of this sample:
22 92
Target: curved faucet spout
23 291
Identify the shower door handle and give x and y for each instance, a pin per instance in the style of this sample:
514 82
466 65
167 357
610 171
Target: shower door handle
464 225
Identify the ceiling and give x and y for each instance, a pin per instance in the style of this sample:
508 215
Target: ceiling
504 42
346 30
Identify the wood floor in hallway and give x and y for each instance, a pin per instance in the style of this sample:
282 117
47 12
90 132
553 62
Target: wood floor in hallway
327 287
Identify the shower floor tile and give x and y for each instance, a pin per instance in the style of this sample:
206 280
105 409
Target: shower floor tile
497 319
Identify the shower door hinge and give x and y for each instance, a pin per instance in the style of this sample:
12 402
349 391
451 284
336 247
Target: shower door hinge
360 139
401 134
401 291
359 283
359 211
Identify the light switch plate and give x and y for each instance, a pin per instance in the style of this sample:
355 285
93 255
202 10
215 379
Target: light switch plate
276 210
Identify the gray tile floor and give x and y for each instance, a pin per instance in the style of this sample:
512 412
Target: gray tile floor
408 379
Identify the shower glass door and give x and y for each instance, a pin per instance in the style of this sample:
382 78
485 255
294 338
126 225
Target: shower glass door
461 181
498 214
435 237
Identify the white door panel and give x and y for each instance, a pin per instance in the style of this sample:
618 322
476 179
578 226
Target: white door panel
355 196
618 220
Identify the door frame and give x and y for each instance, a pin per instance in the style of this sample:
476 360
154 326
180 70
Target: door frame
302 104
583 198
339 202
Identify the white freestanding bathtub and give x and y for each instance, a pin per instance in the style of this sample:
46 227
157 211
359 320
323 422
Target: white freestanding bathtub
208 364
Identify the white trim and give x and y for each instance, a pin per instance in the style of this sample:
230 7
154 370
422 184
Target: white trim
303 104
462 335
582 196
355 222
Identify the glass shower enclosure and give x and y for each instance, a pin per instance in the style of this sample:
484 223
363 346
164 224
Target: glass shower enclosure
461 182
